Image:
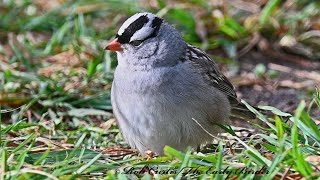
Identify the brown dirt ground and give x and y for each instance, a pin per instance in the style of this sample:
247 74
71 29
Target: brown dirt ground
296 81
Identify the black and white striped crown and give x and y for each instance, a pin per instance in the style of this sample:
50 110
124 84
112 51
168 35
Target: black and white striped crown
140 26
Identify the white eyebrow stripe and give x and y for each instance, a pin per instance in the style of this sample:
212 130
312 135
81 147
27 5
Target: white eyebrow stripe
129 21
145 31
142 33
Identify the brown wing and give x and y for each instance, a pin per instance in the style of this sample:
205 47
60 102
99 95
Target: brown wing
211 72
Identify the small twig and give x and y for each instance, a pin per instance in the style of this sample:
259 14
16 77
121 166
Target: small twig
287 177
29 115
313 75
4 66
304 62
118 150
9 110
49 142
255 39
285 174
246 6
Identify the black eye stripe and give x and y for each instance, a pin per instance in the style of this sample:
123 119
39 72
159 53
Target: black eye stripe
137 25
132 28
156 23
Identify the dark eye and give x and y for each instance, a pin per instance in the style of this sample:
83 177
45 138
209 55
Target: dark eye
136 42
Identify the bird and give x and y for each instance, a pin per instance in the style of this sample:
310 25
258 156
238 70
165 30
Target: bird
166 92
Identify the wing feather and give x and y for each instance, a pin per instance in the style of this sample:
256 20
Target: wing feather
211 72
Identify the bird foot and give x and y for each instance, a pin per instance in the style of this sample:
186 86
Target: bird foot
149 155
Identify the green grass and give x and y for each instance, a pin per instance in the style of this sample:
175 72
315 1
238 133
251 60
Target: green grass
55 94
282 147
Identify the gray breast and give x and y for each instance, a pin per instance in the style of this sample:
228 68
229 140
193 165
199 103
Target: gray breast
157 108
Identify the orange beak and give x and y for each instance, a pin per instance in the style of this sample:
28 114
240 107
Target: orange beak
114 46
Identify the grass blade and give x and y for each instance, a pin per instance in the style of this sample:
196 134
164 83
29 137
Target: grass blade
301 165
267 11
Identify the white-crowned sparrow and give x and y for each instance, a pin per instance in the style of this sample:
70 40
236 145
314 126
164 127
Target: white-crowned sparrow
162 85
